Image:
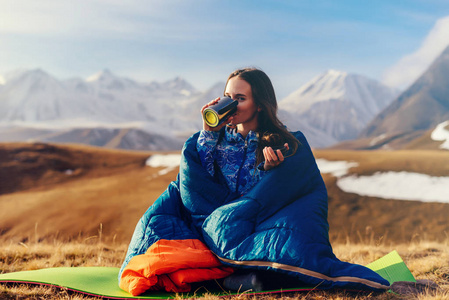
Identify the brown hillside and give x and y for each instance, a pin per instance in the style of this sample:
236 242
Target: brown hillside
395 141
32 165
42 200
424 142
420 107
107 191
363 219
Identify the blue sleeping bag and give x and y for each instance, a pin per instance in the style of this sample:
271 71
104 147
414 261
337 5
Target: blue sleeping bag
279 225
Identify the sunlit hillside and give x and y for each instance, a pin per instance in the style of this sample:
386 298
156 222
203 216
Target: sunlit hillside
67 192
74 205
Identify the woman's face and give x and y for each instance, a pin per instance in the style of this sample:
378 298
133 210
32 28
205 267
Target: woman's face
247 110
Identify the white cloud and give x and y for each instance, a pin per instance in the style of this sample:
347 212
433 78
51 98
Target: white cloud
132 19
56 17
411 66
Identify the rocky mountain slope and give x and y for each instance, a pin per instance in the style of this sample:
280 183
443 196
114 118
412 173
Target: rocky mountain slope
338 103
421 107
112 111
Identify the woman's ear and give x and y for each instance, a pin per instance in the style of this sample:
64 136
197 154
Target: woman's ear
259 109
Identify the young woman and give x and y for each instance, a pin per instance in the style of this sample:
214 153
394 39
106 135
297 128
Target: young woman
239 204
251 132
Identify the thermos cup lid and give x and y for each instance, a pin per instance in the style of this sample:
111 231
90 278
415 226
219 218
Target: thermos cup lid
211 118
216 114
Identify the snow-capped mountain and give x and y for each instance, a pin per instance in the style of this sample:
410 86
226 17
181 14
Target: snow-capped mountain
421 107
119 98
34 99
106 109
34 95
338 103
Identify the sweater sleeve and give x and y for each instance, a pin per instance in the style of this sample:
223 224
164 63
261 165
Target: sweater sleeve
206 145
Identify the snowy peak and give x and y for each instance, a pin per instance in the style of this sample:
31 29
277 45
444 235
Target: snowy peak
338 103
109 81
334 85
419 108
179 85
101 76
103 98
32 82
328 85
35 75
338 85
13 75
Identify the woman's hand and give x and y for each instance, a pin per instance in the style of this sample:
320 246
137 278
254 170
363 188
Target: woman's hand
273 158
207 127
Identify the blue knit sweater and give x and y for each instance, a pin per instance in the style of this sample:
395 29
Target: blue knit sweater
234 155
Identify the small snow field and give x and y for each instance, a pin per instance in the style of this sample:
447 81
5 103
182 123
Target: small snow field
441 133
336 168
388 185
398 185
167 161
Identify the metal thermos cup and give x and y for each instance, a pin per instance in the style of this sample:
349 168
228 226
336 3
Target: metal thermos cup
216 114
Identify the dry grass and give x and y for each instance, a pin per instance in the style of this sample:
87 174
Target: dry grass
426 260
49 218
21 257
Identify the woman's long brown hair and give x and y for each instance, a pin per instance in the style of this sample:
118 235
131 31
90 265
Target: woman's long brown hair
270 128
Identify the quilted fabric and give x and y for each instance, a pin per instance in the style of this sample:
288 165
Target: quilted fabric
171 265
279 225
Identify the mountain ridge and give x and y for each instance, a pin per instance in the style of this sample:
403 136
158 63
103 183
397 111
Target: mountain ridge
422 106
338 103
170 108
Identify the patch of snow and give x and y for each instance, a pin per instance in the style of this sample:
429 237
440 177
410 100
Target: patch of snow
169 161
388 185
377 139
185 92
398 185
336 168
163 160
440 133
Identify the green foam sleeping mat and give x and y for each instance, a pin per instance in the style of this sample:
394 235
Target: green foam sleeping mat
102 281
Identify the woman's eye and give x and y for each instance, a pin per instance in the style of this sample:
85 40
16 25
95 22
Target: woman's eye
240 98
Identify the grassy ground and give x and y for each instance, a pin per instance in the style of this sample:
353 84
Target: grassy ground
426 260
77 206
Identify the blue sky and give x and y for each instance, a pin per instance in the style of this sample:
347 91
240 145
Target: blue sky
203 41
